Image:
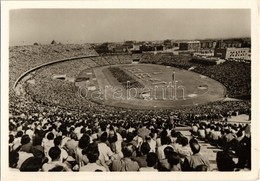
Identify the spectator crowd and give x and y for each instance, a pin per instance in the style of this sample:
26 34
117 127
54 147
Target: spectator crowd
48 133
44 138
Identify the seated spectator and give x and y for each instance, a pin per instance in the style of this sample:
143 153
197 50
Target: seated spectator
163 163
37 148
13 159
175 140
32 164
22 157
17 140
201 168
165 141
57 142
48 143
196 159
54 154
71 144
244 151
26 144
201 132
151 141
152 161
125 164
83 144
105 152
184 151
141 160
115 142
225 161
57 168
174 161
93 164
215 136
11 142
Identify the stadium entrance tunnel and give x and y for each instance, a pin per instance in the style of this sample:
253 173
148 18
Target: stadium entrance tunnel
64 78
59 77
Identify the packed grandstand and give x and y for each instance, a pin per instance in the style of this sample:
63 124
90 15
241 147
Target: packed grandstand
51 130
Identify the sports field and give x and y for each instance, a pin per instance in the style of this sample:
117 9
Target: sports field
160 88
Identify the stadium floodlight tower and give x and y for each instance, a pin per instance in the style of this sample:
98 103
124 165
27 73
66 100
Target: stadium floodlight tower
174 85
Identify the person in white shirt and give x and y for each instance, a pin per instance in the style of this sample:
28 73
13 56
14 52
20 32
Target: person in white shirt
105 151
64 153
152 143
54 153
48 143
165 141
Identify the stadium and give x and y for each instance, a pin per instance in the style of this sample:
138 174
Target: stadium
70 89
128 89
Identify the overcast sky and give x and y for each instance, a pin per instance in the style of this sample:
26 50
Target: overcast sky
91 26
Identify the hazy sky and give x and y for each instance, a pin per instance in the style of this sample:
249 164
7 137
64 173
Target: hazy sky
86 25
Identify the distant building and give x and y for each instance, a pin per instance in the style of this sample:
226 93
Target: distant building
152 47
205 52
105 48
159 47
208 44
190 45
129 44
167 44
136 46
119 49
228 44
232 53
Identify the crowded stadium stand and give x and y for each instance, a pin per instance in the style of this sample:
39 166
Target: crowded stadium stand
112 60
101 61
50 129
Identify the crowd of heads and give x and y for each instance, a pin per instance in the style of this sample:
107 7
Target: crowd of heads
54 139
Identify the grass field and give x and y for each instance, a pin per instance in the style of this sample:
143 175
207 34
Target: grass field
159 90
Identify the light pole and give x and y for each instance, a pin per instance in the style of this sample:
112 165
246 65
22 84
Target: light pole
175 85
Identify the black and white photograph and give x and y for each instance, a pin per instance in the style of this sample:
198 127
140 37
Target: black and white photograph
145 90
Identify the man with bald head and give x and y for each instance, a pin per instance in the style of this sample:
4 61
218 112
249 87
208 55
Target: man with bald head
196 160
